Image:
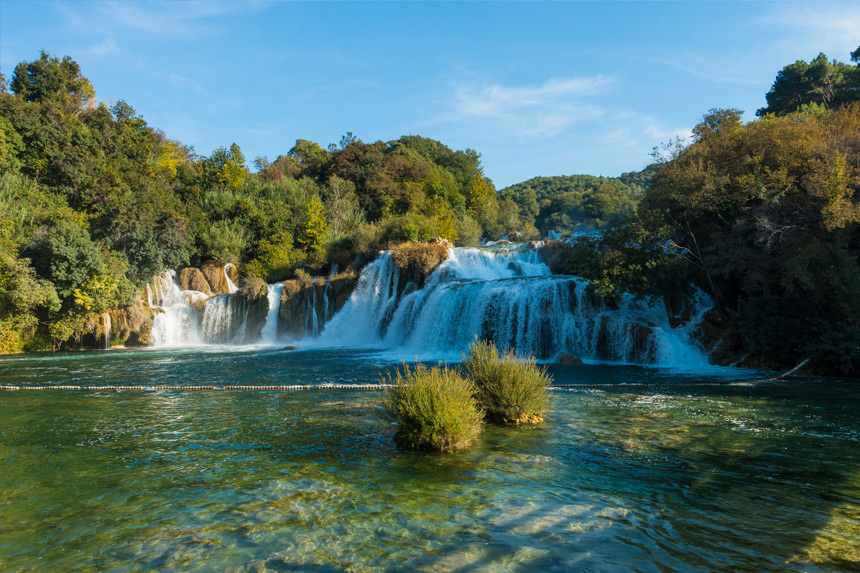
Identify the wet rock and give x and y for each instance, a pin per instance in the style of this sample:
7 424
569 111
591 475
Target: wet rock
192 278
304 303
132 325
252 303
565 358
721 337
290 348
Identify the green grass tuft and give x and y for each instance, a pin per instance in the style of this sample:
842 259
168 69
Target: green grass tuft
434 408
510 389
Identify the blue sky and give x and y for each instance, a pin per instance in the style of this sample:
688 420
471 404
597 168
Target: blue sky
538 88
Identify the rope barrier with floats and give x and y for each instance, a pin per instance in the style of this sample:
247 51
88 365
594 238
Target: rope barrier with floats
305 387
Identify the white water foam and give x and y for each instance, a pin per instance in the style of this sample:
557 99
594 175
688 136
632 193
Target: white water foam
269 334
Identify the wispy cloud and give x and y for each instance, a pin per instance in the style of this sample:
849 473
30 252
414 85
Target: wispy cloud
820 26
496 100
705 70
544 110
161 18
104 48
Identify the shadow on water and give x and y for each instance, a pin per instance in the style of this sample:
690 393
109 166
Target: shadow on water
671 475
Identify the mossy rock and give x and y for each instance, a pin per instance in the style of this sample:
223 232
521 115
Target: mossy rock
417 261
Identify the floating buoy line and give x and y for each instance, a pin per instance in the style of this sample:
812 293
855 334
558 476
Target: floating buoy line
299 387
198 388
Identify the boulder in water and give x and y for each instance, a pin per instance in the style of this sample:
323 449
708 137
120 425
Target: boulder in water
192 278
290 348
565 358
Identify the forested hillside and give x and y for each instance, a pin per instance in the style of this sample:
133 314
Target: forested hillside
566 202
94 201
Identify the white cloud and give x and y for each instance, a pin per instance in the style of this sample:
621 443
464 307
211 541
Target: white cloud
545 110
820 26
497 101
105 48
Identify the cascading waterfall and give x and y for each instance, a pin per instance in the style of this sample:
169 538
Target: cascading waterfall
217 320
106 326
231 286
502 293
510 297
270 328
175 322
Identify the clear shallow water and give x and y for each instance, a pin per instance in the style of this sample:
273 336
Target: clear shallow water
675 475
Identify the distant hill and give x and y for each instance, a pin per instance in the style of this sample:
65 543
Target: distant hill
566 202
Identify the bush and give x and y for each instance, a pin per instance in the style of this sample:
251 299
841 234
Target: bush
468 232
510 390
304 278
434 408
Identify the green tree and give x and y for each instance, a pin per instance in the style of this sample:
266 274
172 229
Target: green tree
50 78
314 229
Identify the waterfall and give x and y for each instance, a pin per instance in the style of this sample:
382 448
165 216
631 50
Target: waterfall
502 293
507 296
325 307
270 328
176 322
217 320
231 286
106 325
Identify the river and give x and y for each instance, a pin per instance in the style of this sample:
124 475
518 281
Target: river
636 468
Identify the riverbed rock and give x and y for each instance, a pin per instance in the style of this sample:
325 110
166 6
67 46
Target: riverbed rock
290 348
441 241
565 358
192 278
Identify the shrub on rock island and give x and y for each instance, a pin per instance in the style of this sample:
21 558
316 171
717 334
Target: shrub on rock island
434 408
510 389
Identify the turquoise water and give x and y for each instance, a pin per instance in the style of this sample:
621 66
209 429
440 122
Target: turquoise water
683 473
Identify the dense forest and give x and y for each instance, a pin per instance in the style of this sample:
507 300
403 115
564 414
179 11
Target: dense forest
761 216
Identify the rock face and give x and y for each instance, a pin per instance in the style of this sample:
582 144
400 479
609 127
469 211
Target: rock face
251 301
305 308
132 325
213 273
192 278
417 261
721 337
